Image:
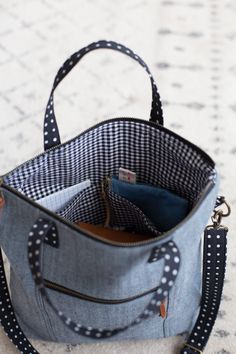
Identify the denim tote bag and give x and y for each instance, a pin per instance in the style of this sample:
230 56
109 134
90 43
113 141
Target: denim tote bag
75 285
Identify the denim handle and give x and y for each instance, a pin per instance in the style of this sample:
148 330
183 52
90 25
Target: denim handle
51 132
42 228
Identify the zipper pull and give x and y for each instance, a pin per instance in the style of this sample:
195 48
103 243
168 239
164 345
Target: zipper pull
104 186
2 201
163 311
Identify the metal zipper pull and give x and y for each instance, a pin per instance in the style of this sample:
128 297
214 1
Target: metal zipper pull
2 202
105 184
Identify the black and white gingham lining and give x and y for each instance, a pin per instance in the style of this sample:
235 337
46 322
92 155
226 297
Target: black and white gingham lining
155 155
88 206
125 214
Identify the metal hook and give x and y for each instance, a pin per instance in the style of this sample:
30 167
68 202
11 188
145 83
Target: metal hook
228 212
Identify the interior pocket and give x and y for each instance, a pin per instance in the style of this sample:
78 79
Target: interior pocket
125 215
163 207
117 216
97 206
59 199
88 206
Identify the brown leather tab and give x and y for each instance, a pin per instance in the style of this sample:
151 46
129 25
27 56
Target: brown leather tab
163 311
2 202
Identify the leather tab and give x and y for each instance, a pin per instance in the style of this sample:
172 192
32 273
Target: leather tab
163 311
2 201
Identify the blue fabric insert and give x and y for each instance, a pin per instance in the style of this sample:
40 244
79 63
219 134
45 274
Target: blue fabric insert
164 208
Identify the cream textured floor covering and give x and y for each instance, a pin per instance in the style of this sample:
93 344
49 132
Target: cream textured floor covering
190 46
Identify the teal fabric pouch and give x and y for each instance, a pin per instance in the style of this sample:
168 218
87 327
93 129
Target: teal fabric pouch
164 208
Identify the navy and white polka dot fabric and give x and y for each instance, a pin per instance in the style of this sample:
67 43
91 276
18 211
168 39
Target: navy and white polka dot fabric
51 132
214 264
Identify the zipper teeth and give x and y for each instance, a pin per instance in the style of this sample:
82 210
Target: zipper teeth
108 120
57 287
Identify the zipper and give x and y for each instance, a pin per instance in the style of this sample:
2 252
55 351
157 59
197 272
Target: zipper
66 291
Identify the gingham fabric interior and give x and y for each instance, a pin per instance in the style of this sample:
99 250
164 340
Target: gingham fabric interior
157 157
88 206
128 216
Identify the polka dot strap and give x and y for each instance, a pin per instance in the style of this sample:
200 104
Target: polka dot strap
51 132
8 319
168 251
214 262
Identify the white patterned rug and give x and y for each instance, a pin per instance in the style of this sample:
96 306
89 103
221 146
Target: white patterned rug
190 47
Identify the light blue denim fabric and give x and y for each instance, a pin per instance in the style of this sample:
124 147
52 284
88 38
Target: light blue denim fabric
102 270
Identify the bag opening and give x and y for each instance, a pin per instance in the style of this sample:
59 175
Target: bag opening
157 156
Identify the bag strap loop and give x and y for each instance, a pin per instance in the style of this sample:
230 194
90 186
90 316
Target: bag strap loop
51 132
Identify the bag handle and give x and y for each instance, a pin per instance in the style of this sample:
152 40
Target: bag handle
43 228
214 262
51 132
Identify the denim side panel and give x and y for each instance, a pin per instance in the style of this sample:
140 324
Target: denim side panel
30 306
185 296
15 222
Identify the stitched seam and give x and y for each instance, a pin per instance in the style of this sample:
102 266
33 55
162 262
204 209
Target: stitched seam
44 313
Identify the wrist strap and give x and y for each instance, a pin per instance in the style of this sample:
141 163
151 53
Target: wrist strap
214 262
